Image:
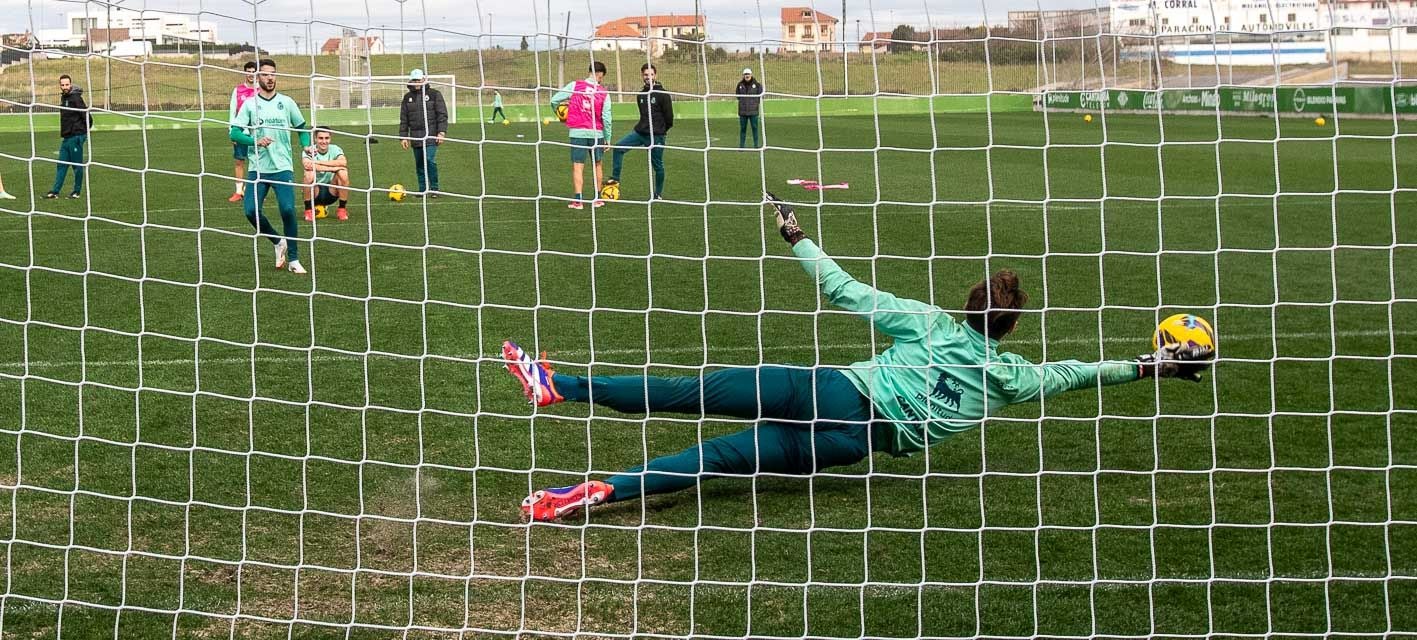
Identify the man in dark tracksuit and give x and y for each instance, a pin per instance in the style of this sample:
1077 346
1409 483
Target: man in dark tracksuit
74 121
750 101
423 123
656 119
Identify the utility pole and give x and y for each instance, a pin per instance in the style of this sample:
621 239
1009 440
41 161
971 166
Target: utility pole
401 69
108 54
845 72
561 67
1155 66
619 75
548 42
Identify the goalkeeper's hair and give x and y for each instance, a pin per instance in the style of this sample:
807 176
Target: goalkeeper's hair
267 62
992 308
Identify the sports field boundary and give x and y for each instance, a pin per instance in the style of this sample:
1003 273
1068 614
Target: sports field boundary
1348 101
790 107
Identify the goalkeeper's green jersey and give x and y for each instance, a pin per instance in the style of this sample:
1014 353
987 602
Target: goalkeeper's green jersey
272 118
940 376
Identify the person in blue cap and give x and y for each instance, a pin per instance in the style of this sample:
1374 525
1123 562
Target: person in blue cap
423 125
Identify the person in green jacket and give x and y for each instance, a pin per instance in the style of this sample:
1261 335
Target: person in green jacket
939 377
498 114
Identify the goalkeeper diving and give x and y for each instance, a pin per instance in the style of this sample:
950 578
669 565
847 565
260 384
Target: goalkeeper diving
939 377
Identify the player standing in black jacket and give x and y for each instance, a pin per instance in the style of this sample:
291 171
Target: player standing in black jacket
74 121
423 124
656 118
750 104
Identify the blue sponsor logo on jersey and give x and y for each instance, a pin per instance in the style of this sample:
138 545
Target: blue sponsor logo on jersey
907 410
948 391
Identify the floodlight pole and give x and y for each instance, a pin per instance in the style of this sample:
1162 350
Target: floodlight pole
549 45
107 55
561 66
845 72
402 71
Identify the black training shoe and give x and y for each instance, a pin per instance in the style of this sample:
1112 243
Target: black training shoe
51 196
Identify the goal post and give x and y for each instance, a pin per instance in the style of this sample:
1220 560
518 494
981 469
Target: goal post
370 100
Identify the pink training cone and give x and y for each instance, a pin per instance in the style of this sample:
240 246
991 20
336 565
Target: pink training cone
813 185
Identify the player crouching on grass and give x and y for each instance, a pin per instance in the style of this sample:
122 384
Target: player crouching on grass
588 117
939 377
326 177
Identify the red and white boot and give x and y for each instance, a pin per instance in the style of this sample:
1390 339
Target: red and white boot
552 504
536 376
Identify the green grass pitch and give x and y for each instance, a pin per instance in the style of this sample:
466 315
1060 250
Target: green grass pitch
193 444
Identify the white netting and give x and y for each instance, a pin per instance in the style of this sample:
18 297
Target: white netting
198 445
362 99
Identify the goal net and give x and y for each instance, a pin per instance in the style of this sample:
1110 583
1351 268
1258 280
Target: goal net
352 100
196 444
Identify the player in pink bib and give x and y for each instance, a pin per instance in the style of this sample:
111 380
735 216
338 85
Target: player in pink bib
239 96
588 118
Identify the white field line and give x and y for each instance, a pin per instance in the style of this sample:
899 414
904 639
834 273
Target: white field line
552 209
585 353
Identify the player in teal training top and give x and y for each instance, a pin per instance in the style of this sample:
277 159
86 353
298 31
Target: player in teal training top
264 123
939 377
326 177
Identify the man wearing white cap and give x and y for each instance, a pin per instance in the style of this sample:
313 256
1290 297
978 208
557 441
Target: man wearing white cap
750 101
423 123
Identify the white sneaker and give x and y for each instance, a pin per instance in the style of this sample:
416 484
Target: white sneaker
295 268
6 196
280 254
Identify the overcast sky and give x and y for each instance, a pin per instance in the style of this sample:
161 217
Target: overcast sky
456 23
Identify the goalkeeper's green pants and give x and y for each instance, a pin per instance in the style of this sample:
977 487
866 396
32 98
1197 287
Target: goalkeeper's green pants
808 420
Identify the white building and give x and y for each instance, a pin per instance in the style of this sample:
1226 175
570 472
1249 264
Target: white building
359 45
58 38
806 29
1263 32
153 27
1227 32
657 33
1372 30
